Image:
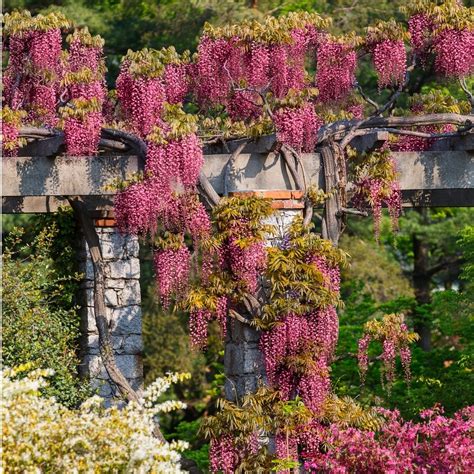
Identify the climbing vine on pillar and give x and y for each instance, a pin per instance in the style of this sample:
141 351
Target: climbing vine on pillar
289 78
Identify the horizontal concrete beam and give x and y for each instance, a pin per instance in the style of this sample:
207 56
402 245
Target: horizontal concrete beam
39 184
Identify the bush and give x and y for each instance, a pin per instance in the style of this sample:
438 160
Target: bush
40 323
40 435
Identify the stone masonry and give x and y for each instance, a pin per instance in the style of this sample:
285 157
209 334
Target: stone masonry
243 361
122 295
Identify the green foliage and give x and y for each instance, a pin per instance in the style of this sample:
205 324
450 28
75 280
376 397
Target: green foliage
289 272
198 449
227 216
436 375
40 323
373 273
466 242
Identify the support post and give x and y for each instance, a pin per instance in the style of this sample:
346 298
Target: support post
243 361
123 311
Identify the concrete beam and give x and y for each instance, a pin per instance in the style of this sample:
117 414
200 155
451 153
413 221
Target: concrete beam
37 184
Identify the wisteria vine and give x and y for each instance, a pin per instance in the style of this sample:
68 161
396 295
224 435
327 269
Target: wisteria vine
251 79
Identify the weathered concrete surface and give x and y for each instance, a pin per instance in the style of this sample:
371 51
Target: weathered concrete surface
122 299
36 184
63 175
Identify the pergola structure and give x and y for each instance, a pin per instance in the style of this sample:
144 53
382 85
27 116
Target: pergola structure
41 179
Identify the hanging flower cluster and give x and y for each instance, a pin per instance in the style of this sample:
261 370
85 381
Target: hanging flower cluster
172 264
444 31
385 41
420 27
336 65
298 126
84 93
453 51
376 185
164 203
32 78
268 58
43 80
147 79
395 338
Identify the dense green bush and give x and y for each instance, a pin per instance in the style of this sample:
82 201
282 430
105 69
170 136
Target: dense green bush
40 321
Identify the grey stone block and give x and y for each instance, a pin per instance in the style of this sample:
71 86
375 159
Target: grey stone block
252 361
115 283
103 388
116 246
87 269
126 320
240 386
130 294
133 344
128 269
111 298
88 320
118 344
132 247
233 359
130 366
243 333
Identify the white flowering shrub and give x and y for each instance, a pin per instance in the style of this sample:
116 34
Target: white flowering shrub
41 435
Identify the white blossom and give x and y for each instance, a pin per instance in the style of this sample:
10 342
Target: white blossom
40 435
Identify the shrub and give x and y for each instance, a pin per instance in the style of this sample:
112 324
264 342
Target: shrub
41 435
40 323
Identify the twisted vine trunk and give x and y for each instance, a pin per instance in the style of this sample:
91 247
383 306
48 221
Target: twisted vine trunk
100 309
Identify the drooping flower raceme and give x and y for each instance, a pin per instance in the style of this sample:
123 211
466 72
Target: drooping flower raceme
335 74
390 61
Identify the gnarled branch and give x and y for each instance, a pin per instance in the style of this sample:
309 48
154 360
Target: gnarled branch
230 163
105 343
208 190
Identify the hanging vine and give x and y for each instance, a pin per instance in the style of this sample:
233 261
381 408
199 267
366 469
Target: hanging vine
246 81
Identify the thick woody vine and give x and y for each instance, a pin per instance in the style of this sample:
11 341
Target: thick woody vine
210 253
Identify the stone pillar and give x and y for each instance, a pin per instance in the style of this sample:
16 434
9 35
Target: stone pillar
243 362
122 298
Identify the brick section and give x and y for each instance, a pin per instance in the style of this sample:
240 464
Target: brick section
279 194
287 204
105 222
122 298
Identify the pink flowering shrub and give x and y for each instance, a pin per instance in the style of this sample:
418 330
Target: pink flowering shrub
436 444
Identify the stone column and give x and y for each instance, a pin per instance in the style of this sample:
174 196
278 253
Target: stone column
243 362
122 298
